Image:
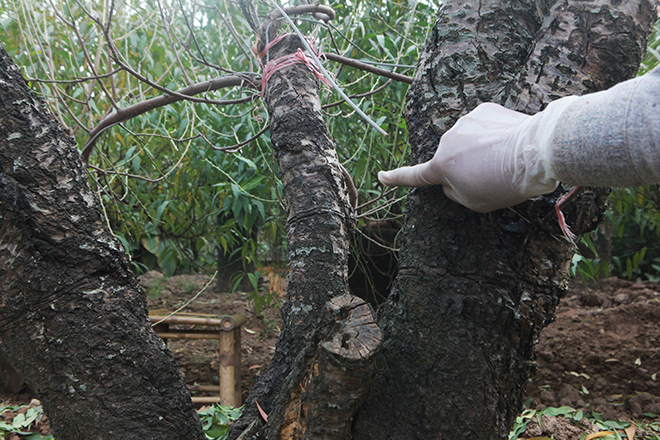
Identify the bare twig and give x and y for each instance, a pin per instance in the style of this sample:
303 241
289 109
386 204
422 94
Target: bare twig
383 245
76 79
359 95
234 33
250 14
120 173
168 32
314 8
368 68
237 147
381 196
88 58
378 208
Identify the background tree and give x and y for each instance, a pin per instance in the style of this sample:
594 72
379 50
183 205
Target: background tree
165 179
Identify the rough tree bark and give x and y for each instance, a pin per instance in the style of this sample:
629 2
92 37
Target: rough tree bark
323 362
73 320
474 290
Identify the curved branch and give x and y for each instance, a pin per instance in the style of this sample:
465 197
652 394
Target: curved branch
367 67
318 10
142 107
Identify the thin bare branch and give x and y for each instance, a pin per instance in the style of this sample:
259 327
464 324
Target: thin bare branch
378 208
234 33
168 32
120 173
76 79
160 101
368 68
237 147
327 11
359 95
378 243
380 197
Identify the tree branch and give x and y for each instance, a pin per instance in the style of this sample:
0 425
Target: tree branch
368 68
315 9
142 107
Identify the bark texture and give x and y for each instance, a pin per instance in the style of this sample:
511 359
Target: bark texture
73 320
312 358
475 290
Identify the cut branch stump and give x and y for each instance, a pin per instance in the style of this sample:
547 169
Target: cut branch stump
340 373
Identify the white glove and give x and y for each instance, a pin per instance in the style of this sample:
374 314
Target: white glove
491 158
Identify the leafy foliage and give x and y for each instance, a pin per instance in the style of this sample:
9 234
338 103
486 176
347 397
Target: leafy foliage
217 419
590 422
26 417
171 194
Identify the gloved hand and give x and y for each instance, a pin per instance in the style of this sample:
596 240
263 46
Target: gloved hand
491 158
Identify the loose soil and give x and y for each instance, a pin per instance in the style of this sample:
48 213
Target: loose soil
601 354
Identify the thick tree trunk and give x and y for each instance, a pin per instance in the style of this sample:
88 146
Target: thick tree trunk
475 290
323 360
73 320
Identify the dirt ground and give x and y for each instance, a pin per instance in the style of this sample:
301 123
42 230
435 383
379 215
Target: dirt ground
602 353
199 359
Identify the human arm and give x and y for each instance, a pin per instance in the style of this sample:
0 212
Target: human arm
494 158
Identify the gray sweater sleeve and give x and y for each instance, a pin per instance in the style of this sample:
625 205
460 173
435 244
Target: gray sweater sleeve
611 138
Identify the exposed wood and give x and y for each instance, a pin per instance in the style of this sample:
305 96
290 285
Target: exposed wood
230 368
204 389
341 374
226 323
189 334
201 400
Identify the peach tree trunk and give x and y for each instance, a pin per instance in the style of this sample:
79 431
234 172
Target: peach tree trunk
324 357
73 320
474 290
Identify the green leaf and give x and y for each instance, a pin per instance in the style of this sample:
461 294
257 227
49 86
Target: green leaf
561 411
161 208
151 244
254 280
19 421
248 162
